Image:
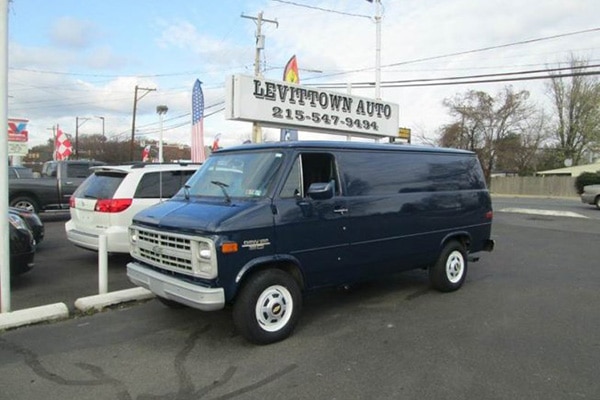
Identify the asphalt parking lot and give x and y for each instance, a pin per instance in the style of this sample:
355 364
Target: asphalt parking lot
63 272
523 327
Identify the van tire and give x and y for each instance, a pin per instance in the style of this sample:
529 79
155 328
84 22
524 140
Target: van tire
450 270
267 307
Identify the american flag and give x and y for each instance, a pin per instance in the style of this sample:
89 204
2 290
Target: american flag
62 146
198 153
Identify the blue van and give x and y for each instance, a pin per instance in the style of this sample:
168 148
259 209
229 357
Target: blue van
258 225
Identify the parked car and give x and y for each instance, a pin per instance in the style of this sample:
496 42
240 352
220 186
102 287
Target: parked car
53 190
33 221
22 245
108 199
19 172
591 195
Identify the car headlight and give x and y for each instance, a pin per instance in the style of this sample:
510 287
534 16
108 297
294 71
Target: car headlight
17 222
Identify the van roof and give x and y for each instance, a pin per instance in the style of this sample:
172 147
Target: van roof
343 145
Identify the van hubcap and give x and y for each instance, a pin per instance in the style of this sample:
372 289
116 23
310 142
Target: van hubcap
274 308
455 266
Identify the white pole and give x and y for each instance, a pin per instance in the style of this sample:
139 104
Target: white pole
4 243
378 49
102 265
161 110
160 140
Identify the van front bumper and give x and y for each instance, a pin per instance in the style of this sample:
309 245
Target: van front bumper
195 296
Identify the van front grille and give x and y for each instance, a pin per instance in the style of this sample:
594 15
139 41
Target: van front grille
163 250
163 240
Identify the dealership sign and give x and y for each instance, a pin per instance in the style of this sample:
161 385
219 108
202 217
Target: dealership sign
17 137
284 104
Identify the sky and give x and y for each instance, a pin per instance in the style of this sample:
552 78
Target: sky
80 60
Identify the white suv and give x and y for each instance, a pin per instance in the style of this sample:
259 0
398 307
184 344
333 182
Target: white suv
108 199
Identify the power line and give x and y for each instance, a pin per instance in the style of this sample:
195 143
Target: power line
473 78
476 81
329 10
460 53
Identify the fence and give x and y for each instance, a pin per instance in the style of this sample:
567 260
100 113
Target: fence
550 186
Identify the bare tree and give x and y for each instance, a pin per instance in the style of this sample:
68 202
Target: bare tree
483 122
576 101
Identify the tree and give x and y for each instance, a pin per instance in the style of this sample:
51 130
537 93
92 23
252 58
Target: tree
487 125
576 102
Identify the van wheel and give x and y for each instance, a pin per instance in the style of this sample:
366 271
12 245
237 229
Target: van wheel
450 270
268 307
25 202
170 303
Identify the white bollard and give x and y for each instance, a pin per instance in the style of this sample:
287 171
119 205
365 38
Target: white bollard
102 265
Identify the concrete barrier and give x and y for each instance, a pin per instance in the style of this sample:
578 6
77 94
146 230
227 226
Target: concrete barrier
100 301
33 315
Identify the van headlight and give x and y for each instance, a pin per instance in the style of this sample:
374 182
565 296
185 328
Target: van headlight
133 236
204 252
205 259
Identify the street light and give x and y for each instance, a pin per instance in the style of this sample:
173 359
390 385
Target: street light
102 118
77 125
161 110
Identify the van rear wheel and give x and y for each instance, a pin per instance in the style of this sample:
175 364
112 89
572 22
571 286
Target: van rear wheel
450 270
268 307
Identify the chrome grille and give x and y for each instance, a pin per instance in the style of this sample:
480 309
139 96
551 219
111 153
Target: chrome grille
163 250
166 261
162 240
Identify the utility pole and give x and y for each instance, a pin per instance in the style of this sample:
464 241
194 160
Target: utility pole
135 100
378 49
260 45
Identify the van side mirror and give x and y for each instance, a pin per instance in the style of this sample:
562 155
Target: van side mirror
321 190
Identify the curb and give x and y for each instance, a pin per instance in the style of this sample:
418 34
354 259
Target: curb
57 311
100 301
34 315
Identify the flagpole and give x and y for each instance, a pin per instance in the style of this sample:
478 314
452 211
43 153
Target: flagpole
54 137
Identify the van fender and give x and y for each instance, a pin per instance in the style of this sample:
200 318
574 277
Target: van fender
463 236
275 260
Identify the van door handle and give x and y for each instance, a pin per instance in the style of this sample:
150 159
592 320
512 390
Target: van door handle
341 211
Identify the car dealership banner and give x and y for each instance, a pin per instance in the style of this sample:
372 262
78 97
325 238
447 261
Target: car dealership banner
284 104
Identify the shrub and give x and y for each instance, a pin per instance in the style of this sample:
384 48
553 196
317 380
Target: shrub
586 178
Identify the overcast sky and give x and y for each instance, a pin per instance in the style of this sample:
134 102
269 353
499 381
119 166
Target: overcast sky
74 58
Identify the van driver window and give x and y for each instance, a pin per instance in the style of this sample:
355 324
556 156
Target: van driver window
310 168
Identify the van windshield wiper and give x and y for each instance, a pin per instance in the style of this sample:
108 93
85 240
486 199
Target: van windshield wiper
223 185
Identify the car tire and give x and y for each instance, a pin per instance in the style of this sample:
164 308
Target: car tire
450 270
597 202
26 203
267 307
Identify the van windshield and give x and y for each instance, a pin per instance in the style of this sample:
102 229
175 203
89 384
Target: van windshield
235 175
